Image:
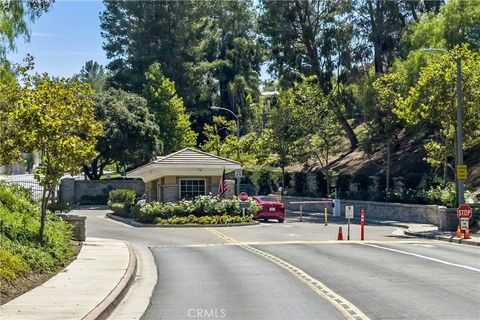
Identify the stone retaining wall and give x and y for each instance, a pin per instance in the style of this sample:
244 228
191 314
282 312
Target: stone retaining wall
440 216
78 223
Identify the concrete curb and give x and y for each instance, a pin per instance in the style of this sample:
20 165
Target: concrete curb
147 225
105 308
443 238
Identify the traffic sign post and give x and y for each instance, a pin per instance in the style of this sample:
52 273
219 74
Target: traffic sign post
464 211
464 214
243 196
462 172
362 225
348 215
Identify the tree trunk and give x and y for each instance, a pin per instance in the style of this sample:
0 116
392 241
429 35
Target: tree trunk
387 184
283 181
43 211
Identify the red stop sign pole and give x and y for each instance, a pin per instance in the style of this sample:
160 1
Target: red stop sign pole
464 211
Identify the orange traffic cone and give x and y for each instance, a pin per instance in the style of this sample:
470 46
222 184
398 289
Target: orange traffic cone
459 232
340 234
467 233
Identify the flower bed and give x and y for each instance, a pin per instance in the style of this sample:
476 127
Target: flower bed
208 209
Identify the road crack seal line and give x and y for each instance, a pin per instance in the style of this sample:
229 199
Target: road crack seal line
345 307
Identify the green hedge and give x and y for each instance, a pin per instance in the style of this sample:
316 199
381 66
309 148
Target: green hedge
121 201
191 219
201 206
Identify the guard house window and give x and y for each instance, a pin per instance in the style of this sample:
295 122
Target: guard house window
191 188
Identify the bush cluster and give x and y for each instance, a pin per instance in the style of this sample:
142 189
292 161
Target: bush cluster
21 250
201 206
121 201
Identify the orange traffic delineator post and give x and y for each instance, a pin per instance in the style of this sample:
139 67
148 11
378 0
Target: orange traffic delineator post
340 234
459 232
467 233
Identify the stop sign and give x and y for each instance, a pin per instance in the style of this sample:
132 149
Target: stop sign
243 196
464 212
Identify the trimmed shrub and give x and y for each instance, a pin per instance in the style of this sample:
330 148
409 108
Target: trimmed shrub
94 199
121 201
191 219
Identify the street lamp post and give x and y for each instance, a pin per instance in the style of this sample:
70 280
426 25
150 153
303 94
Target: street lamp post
459 149
237 118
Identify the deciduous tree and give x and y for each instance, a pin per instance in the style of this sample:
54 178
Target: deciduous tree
54 117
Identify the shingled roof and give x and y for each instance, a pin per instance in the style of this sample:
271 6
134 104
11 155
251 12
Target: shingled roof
185 162
192 156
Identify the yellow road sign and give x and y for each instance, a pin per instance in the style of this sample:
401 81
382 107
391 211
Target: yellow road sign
462 172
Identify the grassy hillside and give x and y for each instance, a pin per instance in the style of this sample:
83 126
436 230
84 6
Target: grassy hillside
24 261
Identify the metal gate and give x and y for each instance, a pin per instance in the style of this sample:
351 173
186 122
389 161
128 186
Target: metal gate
29 182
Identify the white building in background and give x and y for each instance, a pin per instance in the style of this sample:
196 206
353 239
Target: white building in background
22 167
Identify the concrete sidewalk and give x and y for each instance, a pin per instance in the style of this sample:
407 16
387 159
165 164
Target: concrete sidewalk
88 288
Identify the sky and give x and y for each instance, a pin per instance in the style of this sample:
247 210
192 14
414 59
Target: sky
64 38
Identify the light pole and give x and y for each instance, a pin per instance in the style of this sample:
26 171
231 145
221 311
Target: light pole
238 137
459 149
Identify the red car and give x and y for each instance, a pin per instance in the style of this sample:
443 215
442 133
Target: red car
272 208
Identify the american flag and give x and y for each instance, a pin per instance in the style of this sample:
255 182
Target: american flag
222 186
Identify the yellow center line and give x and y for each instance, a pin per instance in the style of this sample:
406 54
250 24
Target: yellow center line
345 307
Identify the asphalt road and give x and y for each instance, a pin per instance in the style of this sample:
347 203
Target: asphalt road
298 271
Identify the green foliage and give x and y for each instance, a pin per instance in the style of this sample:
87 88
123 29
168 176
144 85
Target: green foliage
121 201
300 183
191 219
94 199
59 207
442 195
198 207
129 127
209 49
171 116
20 224
11 266
94 74
221 138
53 116
264 180
456 24
432 101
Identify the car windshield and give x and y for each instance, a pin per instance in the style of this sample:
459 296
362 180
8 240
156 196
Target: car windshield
268 198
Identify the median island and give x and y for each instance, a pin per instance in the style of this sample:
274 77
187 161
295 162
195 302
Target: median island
201 210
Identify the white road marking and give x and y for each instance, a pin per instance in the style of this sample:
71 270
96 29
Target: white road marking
423 245
423 257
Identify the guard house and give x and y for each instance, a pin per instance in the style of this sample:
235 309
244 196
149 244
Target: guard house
184 174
